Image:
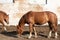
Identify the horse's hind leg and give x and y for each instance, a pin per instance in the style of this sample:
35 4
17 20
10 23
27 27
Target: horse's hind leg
50 25
54 27
55 30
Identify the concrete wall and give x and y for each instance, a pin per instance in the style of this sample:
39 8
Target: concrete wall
17 9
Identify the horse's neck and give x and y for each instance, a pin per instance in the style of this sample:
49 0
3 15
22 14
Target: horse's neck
21 22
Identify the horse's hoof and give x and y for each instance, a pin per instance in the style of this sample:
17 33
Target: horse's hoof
56 37
49 37
29 37
18 36
36 36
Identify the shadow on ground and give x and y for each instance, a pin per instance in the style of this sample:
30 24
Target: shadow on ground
11 34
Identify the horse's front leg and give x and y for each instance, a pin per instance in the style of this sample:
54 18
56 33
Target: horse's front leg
3 27
30 29
35 32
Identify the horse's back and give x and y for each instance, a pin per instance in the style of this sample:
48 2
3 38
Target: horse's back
40 17
2 13
42 14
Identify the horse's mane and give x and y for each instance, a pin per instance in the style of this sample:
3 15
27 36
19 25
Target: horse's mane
3 13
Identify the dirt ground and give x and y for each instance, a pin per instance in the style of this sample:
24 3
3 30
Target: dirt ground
41 30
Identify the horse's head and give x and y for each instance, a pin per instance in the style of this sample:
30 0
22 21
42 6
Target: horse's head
19 30
20 26
7 19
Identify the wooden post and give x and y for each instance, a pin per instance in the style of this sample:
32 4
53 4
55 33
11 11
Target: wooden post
46 1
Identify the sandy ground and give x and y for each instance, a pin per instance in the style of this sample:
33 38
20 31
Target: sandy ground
41 30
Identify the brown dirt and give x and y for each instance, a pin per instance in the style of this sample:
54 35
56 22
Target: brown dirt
41 30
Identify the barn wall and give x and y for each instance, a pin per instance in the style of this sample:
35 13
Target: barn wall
17 9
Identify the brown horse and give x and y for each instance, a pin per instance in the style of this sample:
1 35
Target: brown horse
4 18
40 18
